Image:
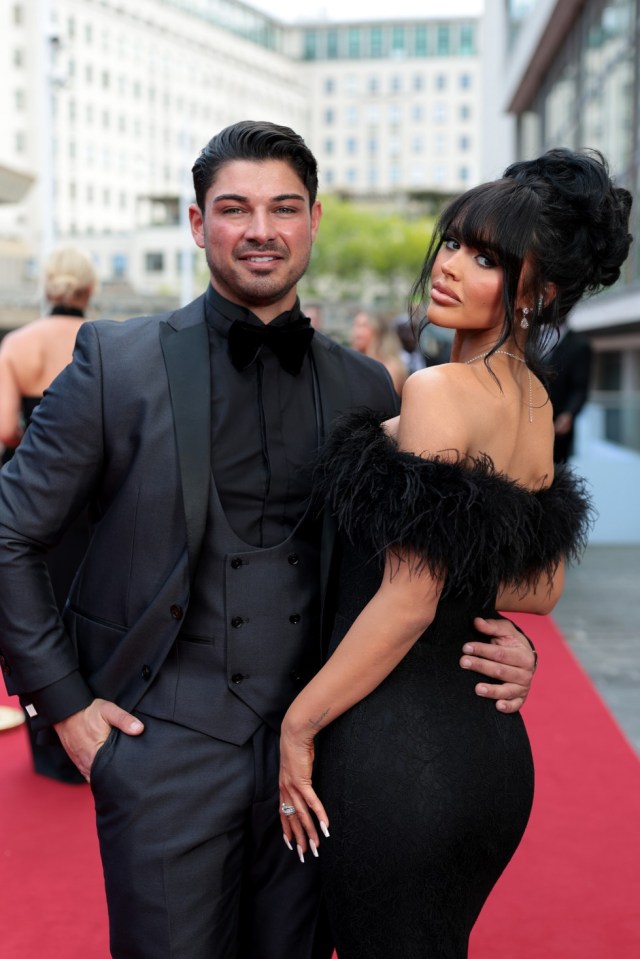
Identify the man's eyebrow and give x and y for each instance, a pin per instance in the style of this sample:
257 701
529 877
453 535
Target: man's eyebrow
245 199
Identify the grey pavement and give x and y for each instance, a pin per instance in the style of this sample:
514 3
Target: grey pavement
599 616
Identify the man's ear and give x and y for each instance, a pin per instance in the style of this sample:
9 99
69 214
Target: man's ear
196 221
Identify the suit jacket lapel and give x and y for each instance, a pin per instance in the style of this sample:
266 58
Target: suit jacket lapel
185 345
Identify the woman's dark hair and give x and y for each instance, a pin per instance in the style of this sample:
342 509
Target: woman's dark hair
562 215
254 140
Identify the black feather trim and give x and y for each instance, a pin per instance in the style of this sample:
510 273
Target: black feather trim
462 517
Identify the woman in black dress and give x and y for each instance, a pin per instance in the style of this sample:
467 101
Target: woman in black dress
450 511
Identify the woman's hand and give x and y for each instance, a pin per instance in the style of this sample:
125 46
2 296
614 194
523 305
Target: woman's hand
297 752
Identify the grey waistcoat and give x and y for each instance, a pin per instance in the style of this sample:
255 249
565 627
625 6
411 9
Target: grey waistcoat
250 638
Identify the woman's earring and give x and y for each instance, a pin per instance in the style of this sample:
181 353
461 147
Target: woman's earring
540 304
524 322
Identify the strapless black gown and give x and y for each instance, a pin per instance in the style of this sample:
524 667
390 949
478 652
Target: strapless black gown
428 787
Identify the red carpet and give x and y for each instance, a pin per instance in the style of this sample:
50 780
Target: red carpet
571 892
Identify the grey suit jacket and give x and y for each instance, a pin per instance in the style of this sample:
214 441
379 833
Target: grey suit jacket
126 429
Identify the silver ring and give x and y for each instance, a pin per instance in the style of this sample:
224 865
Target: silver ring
287 809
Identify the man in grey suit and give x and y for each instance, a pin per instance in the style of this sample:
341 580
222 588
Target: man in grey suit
194 618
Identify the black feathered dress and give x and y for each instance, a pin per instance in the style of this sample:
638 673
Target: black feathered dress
428 787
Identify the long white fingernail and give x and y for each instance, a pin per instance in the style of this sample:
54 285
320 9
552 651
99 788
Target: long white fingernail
325 830
287 843
300 853
314 848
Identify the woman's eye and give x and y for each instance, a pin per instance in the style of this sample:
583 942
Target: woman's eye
485 260
450 243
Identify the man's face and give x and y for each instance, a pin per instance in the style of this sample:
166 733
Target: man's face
257 231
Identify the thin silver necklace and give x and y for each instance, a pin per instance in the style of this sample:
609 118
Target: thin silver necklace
513 356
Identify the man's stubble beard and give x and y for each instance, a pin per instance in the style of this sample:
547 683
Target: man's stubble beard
263 291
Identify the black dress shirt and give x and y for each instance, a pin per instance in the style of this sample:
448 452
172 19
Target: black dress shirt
265 431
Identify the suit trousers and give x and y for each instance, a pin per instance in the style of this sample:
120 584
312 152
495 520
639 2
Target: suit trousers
194 860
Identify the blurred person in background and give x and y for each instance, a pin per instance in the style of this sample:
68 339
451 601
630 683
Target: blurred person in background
569 365
30 359
373 336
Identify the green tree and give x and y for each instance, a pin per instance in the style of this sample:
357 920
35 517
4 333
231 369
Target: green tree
363 253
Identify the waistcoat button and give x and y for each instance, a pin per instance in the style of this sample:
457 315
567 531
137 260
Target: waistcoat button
295 618
176 611
293 559
146 672
237 622
237 678
236 563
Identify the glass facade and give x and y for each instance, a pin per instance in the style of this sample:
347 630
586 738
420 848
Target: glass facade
442 39
590 98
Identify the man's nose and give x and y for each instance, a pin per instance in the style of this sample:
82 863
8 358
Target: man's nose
259 227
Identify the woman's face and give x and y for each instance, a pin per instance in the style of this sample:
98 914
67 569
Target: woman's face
466 289
362 333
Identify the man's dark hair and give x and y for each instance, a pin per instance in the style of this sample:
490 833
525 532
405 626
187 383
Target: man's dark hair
254 140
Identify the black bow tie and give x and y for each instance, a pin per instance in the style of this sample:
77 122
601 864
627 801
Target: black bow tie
289 343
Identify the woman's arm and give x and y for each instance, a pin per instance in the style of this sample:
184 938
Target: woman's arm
540 598
383 633
10 428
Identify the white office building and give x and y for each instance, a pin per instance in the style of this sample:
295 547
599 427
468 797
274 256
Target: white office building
106 105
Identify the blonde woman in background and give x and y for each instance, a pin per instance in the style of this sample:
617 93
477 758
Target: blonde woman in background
372 335
30 359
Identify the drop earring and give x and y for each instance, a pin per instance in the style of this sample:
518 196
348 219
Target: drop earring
524 322
540 304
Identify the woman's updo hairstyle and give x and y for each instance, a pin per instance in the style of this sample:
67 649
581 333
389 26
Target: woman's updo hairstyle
554 220
69 274
581 240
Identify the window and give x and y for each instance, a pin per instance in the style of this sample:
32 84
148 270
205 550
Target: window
395 113
465 111
353 42
463 173
154 262
421 41
467 40
18 14
397 40
372 176
351 146
375 41
440 112
21 142
332 44
351 116
352 175
19 99
329 147
88 73
372 146
441 81
373 84
18 57
418 82
395 83
329 116
118 265
443 41
464 143
417 112
105 80
329 85
417 145
465 81
310 45
328 176
351 84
